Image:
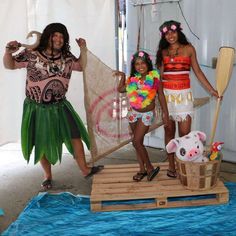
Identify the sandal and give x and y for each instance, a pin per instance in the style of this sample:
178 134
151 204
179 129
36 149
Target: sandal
153 173
47 184
139 176
94 170
172 173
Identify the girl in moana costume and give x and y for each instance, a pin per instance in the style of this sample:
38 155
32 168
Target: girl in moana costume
175 57
142 87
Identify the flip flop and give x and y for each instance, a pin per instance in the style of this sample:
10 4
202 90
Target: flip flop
47 184
139 176
94 170
171 174
153 173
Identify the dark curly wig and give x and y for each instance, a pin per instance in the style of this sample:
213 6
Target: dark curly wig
144 57
50 30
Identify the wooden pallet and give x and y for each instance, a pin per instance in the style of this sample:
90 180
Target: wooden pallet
113 189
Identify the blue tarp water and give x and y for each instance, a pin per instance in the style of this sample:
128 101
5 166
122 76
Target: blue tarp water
66 214
1 212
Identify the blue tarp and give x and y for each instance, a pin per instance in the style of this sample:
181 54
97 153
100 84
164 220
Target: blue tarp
66 214
1 212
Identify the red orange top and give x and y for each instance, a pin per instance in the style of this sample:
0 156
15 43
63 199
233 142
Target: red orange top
176 72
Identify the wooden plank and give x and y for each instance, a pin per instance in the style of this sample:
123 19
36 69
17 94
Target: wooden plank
223 197
123 196
160 204
116 184
199 202
96 206
129 195
175 191
117 166
114 188
179 193
123 207
124 177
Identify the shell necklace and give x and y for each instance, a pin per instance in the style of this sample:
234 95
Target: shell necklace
173 55
55 66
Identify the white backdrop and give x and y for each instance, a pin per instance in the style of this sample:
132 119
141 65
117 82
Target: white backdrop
213 21
93 20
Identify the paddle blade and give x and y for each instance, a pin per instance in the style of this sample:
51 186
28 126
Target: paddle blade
224 68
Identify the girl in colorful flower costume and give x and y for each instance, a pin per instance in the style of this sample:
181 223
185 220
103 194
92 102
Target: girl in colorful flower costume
141 87
48 119
175 57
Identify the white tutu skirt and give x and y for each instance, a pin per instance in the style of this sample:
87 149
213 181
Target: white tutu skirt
179 103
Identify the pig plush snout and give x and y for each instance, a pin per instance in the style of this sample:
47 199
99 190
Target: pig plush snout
188 147
193 153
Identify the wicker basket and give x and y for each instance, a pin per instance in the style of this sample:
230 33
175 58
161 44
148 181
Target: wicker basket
198 176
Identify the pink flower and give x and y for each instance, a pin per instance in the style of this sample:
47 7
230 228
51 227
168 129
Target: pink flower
173 27
164 29
132 58
131 118
141 54
134 79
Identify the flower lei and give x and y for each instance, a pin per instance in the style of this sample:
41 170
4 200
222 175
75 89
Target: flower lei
141 97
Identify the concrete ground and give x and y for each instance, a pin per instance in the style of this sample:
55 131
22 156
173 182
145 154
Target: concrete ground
21 181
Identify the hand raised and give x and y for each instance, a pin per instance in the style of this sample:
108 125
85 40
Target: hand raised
12 46
81 42
118 73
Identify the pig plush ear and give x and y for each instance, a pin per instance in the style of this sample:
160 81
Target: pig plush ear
200 135
172 145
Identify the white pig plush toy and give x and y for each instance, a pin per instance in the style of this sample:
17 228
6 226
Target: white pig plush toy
188 147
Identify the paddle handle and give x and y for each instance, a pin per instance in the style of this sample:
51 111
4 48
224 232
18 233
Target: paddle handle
217 111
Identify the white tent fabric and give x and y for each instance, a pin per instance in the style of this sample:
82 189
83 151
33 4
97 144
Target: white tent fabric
92 20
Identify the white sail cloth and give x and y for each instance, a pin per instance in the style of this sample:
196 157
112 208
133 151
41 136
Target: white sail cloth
106 108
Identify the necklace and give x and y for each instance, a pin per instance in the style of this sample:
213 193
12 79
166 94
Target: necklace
173 55
56 65
142 92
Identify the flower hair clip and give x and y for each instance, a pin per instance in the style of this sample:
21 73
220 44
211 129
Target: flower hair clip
164 30
173 27
141 54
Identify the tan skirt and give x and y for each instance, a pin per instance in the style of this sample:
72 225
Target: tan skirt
179 103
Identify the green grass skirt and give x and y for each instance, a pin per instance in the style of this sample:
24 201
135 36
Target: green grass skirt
46 128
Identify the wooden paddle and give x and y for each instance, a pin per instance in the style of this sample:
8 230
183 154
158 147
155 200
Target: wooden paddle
224 69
